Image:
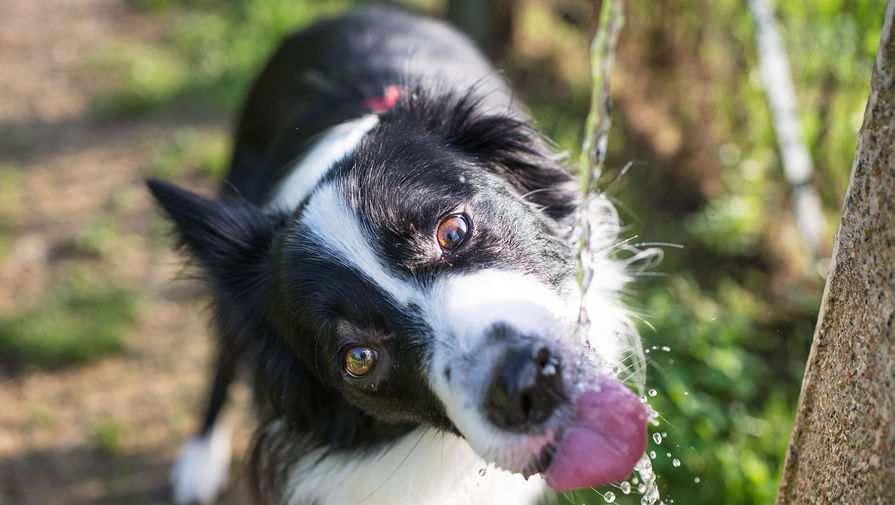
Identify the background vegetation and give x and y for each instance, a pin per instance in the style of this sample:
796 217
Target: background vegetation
727 319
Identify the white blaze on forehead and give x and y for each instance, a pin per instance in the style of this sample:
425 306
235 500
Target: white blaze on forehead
338 230
309 169
467 306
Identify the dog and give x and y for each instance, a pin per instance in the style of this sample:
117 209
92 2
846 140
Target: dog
393 259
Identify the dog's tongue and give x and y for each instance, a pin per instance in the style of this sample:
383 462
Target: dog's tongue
603 443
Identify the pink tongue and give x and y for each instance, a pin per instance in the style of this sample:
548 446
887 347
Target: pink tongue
603 443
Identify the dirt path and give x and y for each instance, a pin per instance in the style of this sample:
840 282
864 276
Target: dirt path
108 431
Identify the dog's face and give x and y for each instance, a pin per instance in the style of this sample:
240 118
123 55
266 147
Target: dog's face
429 279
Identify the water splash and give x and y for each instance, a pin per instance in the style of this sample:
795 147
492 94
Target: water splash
650 490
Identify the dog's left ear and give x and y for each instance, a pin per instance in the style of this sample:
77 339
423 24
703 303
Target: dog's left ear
231 239
521 155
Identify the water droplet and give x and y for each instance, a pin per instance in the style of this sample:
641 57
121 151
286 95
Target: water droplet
666 348
634 480
646 351
686 393
625 486
641 488
652 392
652 455
609 497
664 434
651 496
657 438
642 399
676 462
696 480
667 454
482 472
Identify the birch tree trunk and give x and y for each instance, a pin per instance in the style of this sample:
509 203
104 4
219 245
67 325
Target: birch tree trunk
842 448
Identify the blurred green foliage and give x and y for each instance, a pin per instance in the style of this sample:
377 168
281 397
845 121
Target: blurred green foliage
191 149
98 237
78 323
108 434
737 305
210 54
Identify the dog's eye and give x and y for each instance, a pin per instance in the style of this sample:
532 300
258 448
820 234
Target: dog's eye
359 361
452 231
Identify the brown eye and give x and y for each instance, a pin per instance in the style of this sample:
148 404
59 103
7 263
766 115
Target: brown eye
359 361
452 231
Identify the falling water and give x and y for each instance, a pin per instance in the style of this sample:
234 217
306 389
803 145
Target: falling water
593 154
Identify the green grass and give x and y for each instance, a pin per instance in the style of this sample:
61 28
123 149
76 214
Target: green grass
98 237
108 434
191 149
10 184
77 325
213 51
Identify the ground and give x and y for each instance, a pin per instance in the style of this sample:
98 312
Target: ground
108 432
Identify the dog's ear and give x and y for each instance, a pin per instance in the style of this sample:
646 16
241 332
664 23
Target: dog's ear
517 152
230 238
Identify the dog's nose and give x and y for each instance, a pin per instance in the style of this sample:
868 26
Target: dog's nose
525 390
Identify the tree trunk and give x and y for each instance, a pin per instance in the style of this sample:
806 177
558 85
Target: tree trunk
843 441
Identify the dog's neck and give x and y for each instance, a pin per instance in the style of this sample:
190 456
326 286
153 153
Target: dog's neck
423 467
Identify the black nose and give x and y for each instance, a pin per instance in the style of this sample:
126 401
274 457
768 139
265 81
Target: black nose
525 390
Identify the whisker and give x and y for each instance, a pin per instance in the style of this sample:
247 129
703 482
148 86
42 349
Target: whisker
621 173
659 244
538 190
396 468
650 274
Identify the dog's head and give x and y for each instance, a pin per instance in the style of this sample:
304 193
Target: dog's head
429 278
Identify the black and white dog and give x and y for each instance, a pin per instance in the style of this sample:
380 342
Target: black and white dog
392 259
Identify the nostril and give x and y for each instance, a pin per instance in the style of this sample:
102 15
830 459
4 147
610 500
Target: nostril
525 390
548 365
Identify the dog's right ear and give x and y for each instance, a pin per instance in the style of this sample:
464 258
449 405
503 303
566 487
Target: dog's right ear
231 239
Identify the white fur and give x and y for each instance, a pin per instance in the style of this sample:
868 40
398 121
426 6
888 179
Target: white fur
336 143
338 230
201 469
425 467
